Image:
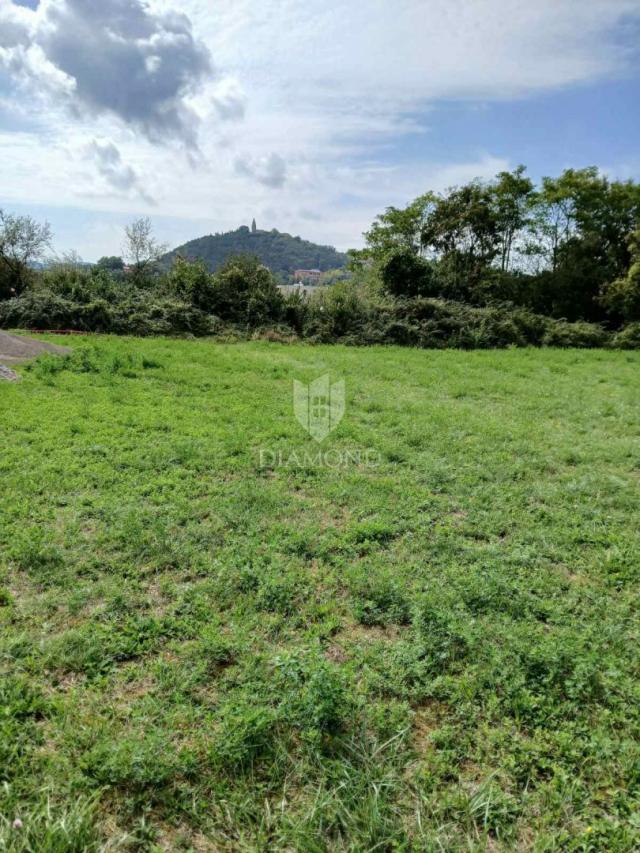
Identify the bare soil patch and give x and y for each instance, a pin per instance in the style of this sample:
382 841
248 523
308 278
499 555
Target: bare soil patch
17 348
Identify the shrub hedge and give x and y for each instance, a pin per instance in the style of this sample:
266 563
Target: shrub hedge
143 313
346 312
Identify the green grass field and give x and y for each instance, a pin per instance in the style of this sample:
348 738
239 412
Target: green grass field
437 652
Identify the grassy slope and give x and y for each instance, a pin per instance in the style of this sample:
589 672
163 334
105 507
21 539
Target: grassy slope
440 651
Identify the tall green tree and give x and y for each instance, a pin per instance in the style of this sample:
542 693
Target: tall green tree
581 228
142 251
399 228
113 263
512 195
23 241
462 231
555 249
622 297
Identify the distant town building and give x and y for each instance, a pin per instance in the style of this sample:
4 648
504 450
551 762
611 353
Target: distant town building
298 287
308 276
254 227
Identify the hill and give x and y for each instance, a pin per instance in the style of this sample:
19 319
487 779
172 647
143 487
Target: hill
282 253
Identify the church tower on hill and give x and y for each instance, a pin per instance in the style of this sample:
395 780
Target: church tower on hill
254 227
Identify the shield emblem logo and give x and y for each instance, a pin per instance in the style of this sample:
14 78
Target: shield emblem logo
319 406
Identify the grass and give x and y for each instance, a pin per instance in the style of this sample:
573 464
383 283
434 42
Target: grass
437 652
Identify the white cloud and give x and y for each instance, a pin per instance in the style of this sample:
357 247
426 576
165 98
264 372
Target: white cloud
117 57
294 125
229 99
14 25
117 174
414 49
270 170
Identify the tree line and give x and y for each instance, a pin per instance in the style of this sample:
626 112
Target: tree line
568 249
486 264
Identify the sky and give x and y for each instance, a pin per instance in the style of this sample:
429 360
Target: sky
310 116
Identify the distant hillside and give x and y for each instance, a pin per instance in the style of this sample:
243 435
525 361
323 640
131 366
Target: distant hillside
282 253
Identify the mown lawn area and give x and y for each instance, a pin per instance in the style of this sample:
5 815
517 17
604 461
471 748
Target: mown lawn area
435 652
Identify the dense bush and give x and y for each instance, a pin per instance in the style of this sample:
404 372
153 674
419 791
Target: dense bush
440 323
242 299
138 314
628 338
8 285
155 315
192 283
348 316
244 291
584 335
404 273
335 313
43 309
80 284
622 297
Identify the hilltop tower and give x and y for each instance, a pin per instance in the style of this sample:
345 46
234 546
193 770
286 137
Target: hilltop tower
254 227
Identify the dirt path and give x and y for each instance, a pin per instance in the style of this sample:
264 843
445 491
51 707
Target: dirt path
16 348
